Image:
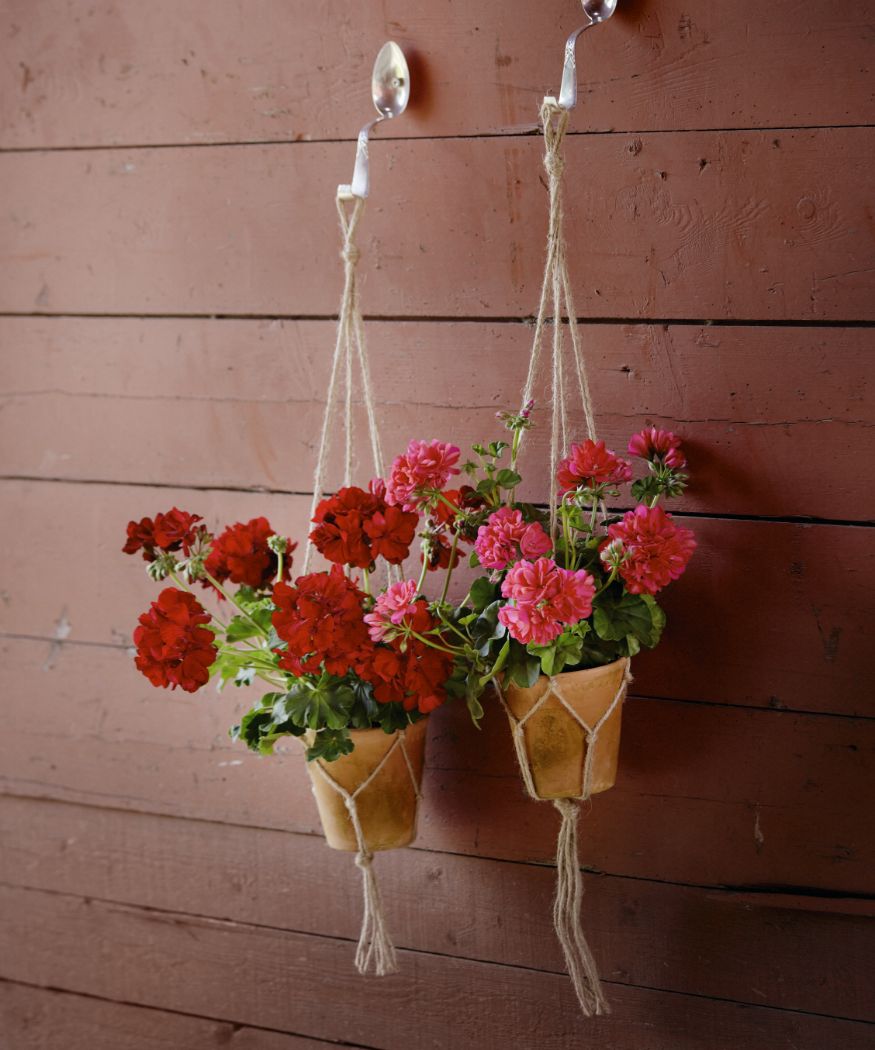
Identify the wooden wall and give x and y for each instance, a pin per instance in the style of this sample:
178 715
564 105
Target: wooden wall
170 274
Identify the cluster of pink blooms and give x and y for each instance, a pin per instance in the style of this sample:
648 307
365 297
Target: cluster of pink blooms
424 469
395 607
545 599
506 536
655 550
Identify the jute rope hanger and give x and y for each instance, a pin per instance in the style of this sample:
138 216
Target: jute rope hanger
556 294
375 944
349 349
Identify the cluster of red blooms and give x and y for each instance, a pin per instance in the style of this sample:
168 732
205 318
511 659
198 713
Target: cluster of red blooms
173 531
443 522
355 527
322 621
241 554
174 648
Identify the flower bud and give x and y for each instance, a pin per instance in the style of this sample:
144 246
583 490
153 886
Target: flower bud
278 544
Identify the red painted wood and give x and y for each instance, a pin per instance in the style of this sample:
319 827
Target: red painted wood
124 72
38 1019
784 790
643 933
711 225
774 419
194 965
801 643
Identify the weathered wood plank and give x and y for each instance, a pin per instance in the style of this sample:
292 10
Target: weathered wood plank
800 643
776 421
647 934
124 72
754 225
254 975
40 1019
785 790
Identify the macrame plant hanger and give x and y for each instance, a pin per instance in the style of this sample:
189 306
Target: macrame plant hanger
390 88
557 301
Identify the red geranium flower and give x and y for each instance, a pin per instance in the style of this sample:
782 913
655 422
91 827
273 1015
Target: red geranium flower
355 527
658 446
414 676
656 550
168 532
173 648
592 464
241 555
321 619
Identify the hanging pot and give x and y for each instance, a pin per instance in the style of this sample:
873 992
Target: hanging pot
555 743
387 806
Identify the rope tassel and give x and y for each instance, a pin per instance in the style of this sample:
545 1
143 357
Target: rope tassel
375 945
566 915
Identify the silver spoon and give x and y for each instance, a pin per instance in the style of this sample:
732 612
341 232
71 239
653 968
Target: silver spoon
390 90
596 11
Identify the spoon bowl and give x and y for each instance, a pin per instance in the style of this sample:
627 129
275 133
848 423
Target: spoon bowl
390 81
599 10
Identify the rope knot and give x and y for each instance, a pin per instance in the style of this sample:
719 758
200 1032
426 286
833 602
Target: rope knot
554 163
363 860
350 254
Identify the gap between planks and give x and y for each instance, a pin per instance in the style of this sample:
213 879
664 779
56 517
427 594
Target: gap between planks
775 894
521 131
236 1026
179 919
863 523
527 321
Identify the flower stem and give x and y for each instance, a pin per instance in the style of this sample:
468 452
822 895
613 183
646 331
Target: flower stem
434 645
279 567
366 581
426 550
450 566
234 601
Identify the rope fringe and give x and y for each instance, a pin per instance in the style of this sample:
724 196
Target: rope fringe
375 945
569 885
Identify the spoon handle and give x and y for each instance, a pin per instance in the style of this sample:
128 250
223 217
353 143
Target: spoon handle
361 185
568 89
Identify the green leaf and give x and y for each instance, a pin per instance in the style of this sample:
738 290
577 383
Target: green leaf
482 593
474 560
522 668
617 616
329 745
565 651
240 628
325 704
508 479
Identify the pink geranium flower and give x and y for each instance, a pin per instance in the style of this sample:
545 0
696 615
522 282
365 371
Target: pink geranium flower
396 606
658 446
505 536
656 550
424 469
592 464
544 600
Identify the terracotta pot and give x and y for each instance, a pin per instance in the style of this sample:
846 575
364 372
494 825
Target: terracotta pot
387 806
556 744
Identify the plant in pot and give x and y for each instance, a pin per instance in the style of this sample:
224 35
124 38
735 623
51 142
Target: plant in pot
567 598
353 670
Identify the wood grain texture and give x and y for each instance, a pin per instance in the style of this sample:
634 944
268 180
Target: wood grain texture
801 643
147 957
775 421
655 935
41 1019
711 225
124 72
784 790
